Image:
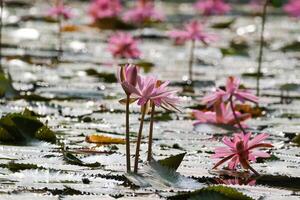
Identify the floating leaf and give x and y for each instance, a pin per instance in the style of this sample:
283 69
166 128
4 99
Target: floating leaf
6 88
102 139
296 139
71 159
254 111
223 24
294 46
106 77
172 162
24 127
112 23
290 87
212 193
15 167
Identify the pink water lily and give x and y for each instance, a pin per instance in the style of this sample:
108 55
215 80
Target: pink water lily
212 7
143 12
149 89
240 150
193 30
226 117
100 9
128 74
60 11
231 89
123 45
292 8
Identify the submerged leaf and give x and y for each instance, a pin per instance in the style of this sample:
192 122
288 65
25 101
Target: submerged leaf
172 162
102 139
212 193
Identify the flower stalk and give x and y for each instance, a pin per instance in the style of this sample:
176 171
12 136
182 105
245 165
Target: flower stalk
138 143
261 45
1 25
191 60
127 139
59 26
235 115
149 157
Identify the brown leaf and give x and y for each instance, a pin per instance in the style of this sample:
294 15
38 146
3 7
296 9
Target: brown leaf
102 139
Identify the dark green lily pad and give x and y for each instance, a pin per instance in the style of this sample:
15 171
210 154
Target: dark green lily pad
16 167
296 139
106 77
212 193
172 162
290 87
223 24
294 46
71 159
24 127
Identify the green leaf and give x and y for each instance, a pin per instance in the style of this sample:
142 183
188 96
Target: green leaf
159 177
106 77
172 162
296 139
15 167
294 46
24 127
6 88
290 87
212 193
223 24
73 160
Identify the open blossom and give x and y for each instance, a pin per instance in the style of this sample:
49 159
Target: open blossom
231 89
212 7
143 12
293 8
128 74
100 9
193 30
123 45
226 117
60 11
240 150
150 89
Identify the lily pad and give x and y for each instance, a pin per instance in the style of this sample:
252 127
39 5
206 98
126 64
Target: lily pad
71 159
106 77
212 193
172 162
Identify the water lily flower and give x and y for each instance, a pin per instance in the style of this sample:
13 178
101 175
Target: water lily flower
60 11
212 7
226 118
240 150
143 12
231 90
148 89
123 45
128 74
100 9
292 8
192 31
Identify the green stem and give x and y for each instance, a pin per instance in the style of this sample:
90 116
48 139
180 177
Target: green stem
127 135
261 49
191 60
235 116
1 25
149 158
138 143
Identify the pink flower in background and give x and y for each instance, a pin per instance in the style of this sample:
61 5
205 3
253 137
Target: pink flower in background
60 10
231 89
257 5
240 150
123 45
193 30
149 88
128 74
143 12
293 8
100 9
212 7
226 117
